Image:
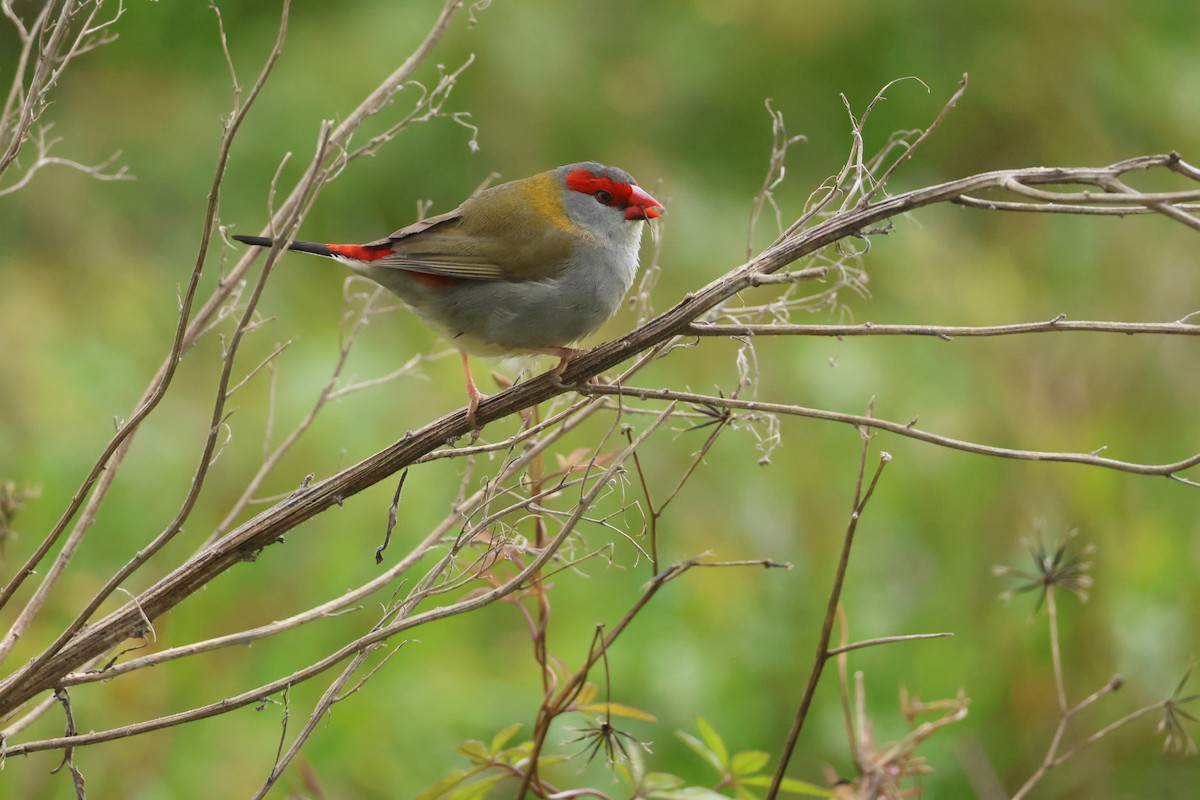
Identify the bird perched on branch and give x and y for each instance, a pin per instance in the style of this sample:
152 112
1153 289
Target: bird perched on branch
529 266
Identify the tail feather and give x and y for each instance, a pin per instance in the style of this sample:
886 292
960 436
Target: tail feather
315 248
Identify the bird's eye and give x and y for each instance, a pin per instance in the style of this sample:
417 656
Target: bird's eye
604 198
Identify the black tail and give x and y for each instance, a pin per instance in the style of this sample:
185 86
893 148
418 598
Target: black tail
300 247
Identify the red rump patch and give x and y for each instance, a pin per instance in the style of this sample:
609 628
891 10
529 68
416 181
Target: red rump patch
361 252
580 180
432 280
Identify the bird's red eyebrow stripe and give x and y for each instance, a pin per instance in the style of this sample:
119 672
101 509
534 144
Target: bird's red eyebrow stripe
580 180
361 252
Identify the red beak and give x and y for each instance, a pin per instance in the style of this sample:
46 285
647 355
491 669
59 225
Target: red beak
641 205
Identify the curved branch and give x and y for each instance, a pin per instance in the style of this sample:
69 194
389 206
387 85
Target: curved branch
95 485
266 529
378 634
946 332
907 430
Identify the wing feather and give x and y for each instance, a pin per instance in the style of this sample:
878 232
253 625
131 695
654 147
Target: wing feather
510 240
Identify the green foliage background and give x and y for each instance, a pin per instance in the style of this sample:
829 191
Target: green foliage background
675 93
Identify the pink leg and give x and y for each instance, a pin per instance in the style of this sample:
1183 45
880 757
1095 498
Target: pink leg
565 356
473 394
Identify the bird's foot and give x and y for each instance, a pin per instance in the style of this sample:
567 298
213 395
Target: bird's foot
474 396
473 400
565 356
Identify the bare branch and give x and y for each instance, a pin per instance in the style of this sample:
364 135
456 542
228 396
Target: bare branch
328 698
947 332
907 430
908 152
104 471
908 637
380 634
48 46
192 326
266 528
550 435
823 654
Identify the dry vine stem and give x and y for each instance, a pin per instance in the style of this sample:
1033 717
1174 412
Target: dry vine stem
85 641
266 528
49 42
329 160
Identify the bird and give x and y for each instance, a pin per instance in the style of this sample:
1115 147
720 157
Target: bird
525 267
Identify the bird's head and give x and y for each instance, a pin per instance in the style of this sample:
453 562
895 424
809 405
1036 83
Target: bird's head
605 200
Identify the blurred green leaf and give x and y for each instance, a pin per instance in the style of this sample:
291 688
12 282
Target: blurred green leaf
702 750
791 786
662 781
444 784
617 710
517 755
479 789
474 750
633 769
689 793
748 762
713 740
502 738
586 695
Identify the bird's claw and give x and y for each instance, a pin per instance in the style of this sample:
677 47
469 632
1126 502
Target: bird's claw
473 401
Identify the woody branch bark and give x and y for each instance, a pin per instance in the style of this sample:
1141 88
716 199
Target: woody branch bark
265 529
331 158
50 40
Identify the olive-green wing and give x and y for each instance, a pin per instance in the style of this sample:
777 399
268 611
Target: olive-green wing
500 234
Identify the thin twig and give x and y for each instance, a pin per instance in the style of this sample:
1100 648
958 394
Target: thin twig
909 637
339 604
106 467
268 526
907 430
206 457
380 634
1052 758
908 152
104 470
947 332
823 654
573 685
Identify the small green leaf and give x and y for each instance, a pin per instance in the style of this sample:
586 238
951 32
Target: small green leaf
516 754
791 786
636 764
742 793
474 750
701 750
479 789
617 710
688 793
444 784
661 781
748 762
586 695
713 739
502 738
